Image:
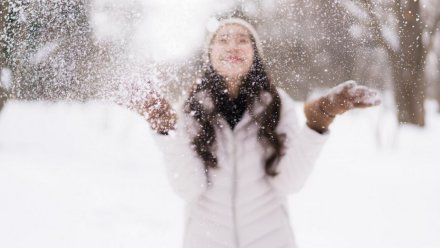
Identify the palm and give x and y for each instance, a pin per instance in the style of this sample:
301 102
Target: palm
349 95
160 114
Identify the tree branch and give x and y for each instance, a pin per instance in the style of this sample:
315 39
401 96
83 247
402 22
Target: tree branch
377 30
432 33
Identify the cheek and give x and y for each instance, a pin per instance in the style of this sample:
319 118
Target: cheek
215 56
249 53
249 57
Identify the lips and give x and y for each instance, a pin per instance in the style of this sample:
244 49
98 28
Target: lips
234 59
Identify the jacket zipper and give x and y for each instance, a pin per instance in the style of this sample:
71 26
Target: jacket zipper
234 194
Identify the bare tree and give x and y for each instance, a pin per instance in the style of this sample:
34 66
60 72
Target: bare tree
53 55
406 56
408 64
3 62
433 46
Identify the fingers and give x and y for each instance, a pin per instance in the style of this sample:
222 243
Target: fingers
349 95
341 90
363 97
348 85
160 114
160 109
341 97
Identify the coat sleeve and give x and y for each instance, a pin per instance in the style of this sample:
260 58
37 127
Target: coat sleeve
185 169
302 147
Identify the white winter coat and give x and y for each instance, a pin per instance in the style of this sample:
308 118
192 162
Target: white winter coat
243 207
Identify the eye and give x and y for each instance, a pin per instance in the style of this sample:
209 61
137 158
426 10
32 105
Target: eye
221 39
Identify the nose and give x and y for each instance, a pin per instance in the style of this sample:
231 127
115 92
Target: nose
233 46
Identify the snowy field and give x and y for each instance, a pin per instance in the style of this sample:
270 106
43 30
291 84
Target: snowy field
89 175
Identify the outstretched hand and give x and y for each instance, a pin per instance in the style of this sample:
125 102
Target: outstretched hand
321 112
159 113
346 96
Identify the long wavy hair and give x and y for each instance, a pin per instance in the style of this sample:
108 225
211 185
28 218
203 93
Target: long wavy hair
255 84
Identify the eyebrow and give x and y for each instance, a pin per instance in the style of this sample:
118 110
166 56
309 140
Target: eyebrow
239 34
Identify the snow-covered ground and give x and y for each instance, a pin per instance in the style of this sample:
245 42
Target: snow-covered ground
89 175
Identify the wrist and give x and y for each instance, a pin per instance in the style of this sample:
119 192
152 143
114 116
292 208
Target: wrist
317 118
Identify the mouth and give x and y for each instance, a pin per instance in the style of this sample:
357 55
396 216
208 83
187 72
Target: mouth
234 59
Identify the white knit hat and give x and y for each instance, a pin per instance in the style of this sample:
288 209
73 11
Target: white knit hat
214 25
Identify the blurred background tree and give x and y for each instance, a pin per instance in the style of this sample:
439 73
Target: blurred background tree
3 60
51 50
382 44
398 28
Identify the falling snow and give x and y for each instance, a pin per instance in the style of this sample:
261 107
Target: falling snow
77 169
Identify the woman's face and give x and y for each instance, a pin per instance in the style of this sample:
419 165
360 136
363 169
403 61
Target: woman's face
231 51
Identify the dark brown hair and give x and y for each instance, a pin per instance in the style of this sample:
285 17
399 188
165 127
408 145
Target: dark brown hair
254 84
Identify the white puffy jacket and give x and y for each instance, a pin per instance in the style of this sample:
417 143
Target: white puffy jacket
242 207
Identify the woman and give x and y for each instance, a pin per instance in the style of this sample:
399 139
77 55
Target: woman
235 150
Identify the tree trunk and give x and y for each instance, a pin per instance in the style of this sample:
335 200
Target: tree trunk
3 63
408 66
438 88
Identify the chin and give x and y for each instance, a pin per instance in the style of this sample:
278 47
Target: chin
236 73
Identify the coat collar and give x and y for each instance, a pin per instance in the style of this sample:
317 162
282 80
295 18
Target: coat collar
208 105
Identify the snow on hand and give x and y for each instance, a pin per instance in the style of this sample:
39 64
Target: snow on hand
362 96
